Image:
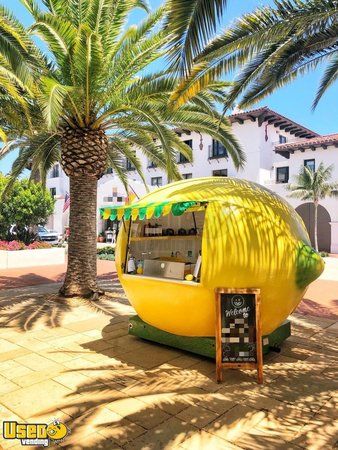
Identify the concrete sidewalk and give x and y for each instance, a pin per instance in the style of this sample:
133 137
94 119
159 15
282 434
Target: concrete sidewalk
73 360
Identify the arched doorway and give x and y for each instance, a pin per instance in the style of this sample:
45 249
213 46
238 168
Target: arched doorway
306 212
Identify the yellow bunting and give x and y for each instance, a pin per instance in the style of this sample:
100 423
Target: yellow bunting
166 210
150 212
120 213
106 214
134 213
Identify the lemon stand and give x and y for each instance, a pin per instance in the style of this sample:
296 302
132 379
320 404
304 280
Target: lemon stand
247 236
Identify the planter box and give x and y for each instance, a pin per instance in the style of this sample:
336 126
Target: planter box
31 258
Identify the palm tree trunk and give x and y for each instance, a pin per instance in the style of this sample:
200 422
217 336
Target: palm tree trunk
81 272
316 224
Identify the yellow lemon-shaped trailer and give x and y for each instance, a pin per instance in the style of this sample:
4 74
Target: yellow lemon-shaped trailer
252 238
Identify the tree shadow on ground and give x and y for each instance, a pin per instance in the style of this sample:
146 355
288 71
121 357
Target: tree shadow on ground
151 397
26 311
134 394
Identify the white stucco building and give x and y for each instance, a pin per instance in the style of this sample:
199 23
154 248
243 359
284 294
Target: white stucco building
276 148
110 191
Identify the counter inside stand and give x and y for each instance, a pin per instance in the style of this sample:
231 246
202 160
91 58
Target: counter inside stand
165 280
168 247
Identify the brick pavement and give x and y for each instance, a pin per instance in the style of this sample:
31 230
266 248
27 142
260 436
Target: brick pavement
74 360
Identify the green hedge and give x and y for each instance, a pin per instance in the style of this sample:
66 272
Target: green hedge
105 256
106 251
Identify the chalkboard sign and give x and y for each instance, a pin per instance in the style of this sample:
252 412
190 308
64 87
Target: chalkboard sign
238 331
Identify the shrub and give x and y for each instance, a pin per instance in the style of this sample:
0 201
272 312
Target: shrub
108 250
36 245
27 206
107 257
12 245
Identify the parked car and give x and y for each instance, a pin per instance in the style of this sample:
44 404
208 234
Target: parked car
46 235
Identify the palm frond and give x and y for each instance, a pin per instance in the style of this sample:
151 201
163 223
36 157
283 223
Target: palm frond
191 24
269 48
329 77
52 98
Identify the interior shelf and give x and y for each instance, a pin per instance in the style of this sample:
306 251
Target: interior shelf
163 238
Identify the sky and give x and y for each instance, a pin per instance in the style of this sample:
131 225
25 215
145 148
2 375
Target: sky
293 101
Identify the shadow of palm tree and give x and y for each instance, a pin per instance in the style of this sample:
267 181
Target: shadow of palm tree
151 410
152 405
26 310
136 394
24 313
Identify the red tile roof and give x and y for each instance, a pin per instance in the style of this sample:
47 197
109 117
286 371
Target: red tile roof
319 141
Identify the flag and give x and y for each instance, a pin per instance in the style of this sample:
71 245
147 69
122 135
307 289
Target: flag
67 202
130 198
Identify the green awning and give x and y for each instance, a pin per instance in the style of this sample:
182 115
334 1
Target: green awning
144 211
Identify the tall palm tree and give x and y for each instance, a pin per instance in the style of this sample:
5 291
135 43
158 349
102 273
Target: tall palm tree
91 102
314 186
269 48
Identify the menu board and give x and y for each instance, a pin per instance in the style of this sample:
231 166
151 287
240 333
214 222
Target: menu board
238 330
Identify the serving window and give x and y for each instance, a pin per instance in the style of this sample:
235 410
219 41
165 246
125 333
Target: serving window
167 247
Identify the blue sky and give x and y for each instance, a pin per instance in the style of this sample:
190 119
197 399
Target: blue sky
293 101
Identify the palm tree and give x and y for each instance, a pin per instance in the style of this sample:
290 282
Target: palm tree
270 47
314 186
89 103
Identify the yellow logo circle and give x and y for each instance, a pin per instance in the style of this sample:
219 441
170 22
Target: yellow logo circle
57 430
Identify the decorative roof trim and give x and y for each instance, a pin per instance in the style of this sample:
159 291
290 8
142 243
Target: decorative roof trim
302 144
266 114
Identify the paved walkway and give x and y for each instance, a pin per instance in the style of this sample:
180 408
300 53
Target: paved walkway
321 298
74 360
35 275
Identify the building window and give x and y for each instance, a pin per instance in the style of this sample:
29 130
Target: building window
282 139
220 173
55 171
217 150
156 181
310 164
119 199
282 175
52 192
129 165
151 165
187 176
182 159
109 171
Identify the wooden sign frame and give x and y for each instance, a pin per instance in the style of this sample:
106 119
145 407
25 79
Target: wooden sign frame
259 349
